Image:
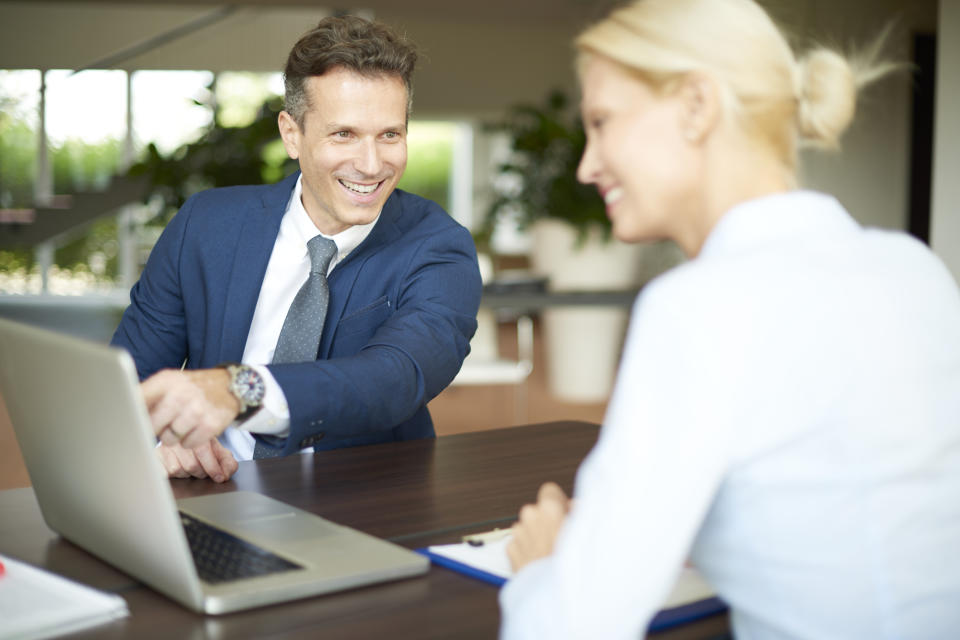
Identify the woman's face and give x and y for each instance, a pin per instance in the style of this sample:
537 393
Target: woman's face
636 154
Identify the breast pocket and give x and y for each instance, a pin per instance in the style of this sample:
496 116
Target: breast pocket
364 322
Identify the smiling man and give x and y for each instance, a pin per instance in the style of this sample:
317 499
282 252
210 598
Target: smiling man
324 311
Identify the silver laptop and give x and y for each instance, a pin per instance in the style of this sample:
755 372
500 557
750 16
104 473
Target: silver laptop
88 445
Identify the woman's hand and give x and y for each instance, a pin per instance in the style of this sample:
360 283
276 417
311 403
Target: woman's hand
536 531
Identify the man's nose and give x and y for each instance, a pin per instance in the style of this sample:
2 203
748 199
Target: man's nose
368 160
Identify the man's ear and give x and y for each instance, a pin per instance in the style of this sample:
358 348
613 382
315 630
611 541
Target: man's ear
290 133
701 108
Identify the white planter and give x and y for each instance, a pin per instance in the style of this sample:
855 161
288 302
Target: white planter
595 265
584 343
583 348
483 346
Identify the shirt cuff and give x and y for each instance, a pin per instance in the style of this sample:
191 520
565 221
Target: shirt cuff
274 415
526 603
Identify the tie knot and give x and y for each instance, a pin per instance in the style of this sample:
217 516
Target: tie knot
321 251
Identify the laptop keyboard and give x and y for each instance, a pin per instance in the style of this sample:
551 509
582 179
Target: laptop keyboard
222 557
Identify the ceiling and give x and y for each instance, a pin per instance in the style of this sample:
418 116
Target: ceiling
537 11
252 35
478 55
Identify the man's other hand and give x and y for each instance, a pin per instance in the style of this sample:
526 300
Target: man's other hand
536 530
211 460
189 408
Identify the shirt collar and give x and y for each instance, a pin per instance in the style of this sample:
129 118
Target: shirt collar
304 229
759 222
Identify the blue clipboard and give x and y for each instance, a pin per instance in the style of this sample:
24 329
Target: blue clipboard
664 619
465 569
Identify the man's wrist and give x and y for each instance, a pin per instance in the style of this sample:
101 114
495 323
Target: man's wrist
274 416
247 387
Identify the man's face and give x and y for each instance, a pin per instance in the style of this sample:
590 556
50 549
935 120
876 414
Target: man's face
352 148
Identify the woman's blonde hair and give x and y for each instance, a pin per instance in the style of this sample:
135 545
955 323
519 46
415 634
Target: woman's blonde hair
777 98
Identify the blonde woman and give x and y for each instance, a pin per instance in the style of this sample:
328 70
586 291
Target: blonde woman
787 412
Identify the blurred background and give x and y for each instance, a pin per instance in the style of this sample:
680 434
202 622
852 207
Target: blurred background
111 113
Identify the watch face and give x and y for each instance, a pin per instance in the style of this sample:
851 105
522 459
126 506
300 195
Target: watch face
249 385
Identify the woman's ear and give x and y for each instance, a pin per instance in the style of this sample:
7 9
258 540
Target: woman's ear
700 107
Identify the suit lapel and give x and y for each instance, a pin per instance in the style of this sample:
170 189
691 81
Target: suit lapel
258 233
344 275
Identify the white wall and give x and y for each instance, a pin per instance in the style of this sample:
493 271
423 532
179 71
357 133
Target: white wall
479 70
945 222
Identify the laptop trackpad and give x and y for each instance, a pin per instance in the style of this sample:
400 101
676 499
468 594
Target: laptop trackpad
257 517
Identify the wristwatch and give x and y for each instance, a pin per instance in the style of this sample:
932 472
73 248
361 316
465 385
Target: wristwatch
247 385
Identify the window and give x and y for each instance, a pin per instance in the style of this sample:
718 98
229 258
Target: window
86 123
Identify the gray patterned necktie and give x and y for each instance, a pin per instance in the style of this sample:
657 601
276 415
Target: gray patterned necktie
300 336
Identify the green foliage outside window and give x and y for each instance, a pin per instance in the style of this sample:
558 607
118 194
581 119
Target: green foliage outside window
77 166
429 160
18 152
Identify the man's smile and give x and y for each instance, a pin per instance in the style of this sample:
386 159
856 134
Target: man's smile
359 187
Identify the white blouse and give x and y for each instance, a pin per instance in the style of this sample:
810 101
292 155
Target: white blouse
787 413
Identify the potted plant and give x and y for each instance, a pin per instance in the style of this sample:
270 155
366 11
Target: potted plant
546 143
222 156
572 244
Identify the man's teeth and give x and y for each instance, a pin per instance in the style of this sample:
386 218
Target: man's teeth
613 195
360 188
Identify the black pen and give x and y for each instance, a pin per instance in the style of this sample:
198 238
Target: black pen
479 539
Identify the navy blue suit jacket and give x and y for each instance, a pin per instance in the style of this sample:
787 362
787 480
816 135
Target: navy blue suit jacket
402 311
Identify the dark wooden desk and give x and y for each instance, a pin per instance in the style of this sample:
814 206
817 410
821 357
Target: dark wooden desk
530 301
414 493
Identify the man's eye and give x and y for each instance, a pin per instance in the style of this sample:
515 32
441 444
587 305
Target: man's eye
389 135
342 134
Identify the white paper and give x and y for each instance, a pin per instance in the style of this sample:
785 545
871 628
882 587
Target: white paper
490 557
37 604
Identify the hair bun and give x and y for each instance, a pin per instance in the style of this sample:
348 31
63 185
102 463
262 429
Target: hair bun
827 96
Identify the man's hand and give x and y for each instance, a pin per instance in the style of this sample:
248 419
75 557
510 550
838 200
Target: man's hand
536 531
211 460
189 408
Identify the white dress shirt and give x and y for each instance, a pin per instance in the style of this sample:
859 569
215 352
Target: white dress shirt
787 412
286 272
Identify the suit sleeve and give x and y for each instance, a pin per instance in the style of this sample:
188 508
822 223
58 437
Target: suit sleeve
411 357
153 327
